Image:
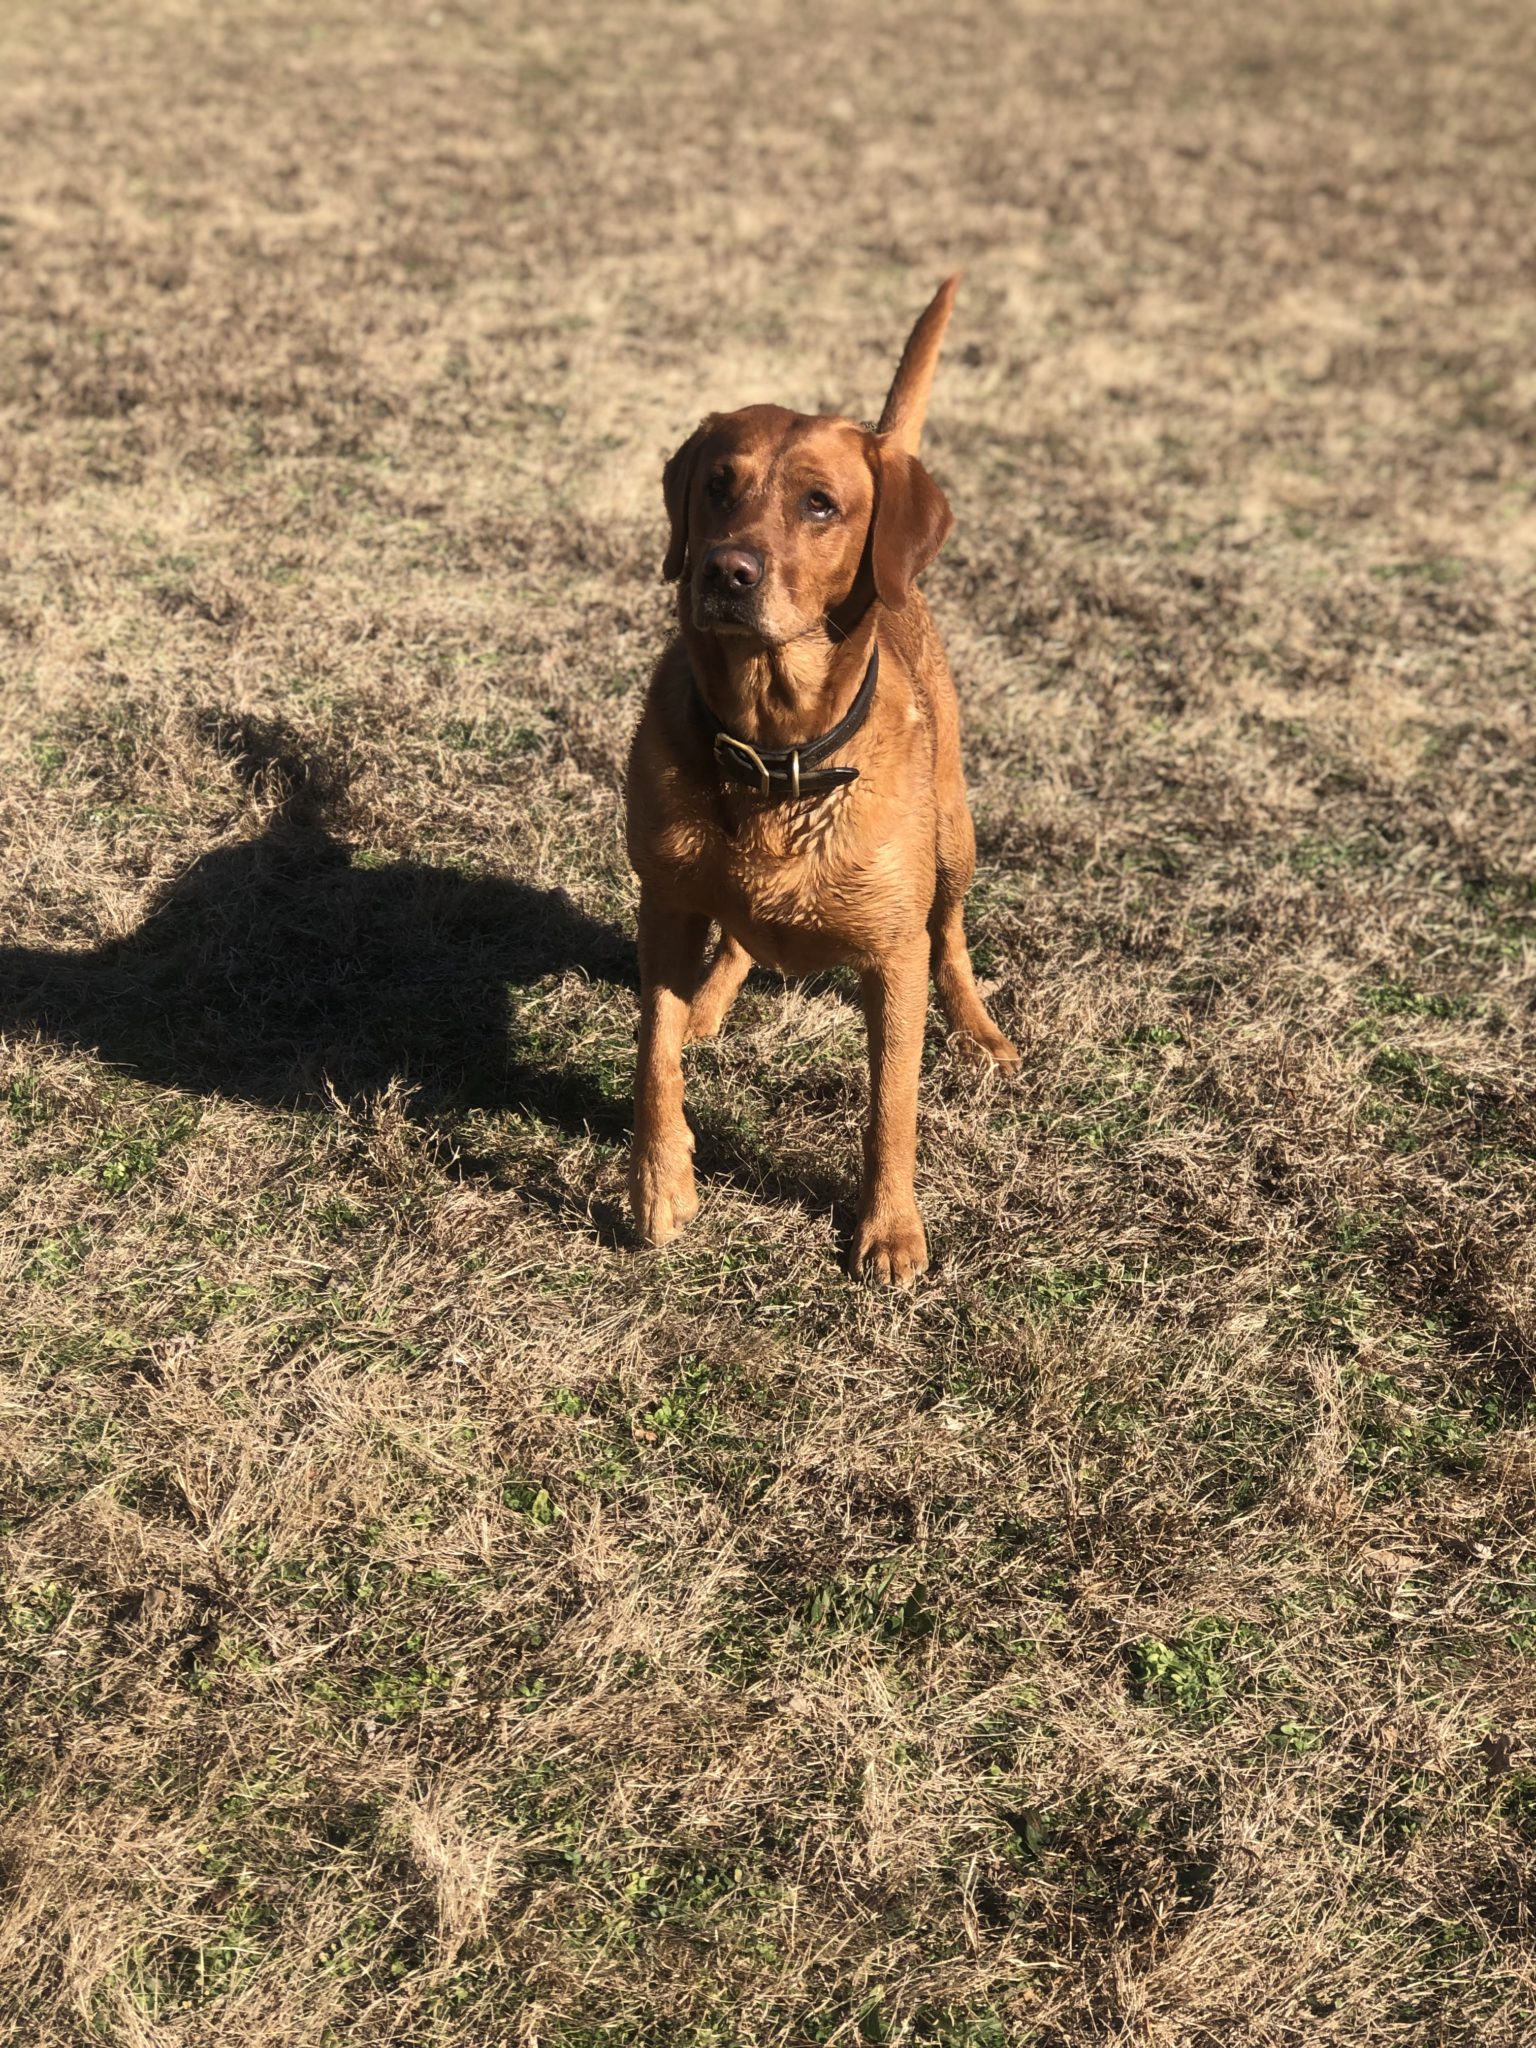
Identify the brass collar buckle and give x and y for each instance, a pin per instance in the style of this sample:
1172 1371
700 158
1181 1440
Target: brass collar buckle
792 772
730 751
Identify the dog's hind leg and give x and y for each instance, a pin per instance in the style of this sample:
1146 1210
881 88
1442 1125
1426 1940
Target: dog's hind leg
716 993
964 1011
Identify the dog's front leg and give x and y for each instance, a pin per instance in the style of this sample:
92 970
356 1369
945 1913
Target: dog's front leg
661 1167
889 1246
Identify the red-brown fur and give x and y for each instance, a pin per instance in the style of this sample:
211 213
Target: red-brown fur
872 874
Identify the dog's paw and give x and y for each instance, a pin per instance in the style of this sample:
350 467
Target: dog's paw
664 1200
979 1045
889 1249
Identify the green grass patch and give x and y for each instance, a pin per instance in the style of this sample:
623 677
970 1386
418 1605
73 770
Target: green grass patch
1192 1674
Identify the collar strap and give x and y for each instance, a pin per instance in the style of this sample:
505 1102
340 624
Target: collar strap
793 771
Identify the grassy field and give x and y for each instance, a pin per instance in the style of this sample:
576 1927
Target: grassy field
428 1620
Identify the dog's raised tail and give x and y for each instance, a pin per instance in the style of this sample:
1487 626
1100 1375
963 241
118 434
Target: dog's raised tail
906 404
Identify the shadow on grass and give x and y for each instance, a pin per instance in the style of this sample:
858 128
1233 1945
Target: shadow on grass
281 972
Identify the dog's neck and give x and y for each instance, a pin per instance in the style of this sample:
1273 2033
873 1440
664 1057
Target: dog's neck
783 696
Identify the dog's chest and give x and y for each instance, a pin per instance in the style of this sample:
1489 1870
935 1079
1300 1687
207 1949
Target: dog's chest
786 863
783 878
802 839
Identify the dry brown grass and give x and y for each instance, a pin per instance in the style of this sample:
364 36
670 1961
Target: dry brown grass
429 1621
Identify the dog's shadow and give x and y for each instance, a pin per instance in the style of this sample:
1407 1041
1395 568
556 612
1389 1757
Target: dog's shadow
282 971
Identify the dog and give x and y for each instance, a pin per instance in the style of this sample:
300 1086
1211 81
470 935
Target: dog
795 779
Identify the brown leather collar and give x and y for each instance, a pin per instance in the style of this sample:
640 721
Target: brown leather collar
792 771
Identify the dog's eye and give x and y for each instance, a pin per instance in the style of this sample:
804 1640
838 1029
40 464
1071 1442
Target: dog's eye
819 506
718 489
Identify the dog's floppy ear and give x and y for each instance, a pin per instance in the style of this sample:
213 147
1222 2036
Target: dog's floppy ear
911 523
677 489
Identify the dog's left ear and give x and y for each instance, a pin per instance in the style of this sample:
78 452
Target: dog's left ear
911 523
677 489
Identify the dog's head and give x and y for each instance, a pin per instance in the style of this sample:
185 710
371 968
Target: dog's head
779 519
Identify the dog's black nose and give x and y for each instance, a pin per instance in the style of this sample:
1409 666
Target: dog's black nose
733 568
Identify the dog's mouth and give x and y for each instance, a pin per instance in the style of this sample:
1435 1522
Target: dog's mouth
725 611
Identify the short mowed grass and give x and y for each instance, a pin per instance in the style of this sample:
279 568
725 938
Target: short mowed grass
427 1619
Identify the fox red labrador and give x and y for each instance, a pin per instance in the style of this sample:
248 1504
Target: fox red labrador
795 780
